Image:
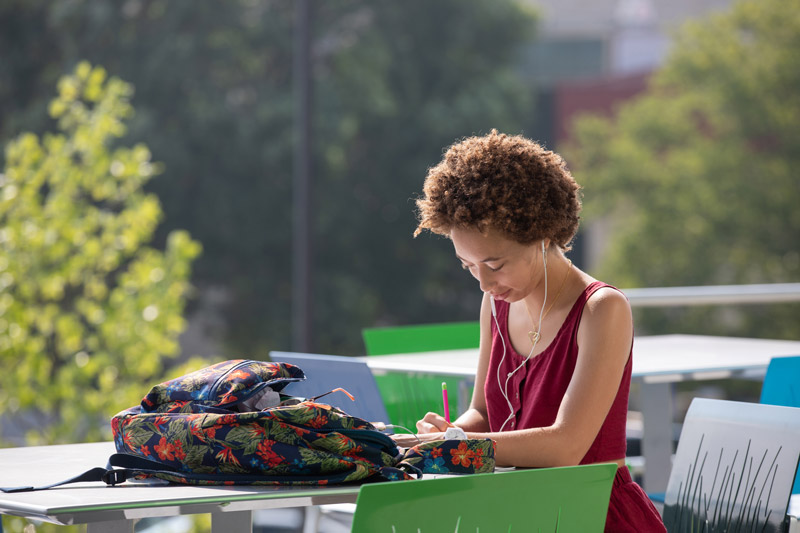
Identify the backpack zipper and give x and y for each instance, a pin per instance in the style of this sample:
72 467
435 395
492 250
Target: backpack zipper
245 393
212 392
363 435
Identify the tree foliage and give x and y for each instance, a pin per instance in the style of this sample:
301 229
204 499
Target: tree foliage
394 82
405 87
88 309
698 177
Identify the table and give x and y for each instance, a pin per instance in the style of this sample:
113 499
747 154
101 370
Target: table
659 361
113 509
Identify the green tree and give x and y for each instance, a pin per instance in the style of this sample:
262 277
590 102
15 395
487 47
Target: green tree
88 310
698 177
394 83
412 78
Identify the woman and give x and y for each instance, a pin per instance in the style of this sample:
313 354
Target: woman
555 351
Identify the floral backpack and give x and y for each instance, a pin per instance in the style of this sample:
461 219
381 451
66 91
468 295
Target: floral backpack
229 423
209 427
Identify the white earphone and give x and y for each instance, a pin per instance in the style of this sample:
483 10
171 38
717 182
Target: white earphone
504 387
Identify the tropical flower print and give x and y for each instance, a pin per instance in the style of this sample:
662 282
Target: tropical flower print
224 383
166 450
264 450
226 455
238 374
470 456
191 425
434 465
318 421
462 454
477 462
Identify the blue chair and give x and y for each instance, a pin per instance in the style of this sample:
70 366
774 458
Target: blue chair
782 387
327 372
782 382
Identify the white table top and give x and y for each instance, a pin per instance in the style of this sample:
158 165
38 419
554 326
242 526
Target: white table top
95 501
656 358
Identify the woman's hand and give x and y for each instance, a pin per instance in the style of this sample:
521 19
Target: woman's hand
433 423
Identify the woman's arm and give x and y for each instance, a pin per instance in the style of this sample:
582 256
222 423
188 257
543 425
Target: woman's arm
604 342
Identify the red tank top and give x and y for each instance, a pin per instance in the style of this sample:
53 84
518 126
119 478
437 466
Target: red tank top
536 390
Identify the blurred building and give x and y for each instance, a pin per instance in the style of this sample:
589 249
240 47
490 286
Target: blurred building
589 57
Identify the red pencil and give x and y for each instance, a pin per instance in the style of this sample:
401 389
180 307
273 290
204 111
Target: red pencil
446 403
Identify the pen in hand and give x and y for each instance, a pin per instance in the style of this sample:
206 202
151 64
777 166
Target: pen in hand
446 403
452 432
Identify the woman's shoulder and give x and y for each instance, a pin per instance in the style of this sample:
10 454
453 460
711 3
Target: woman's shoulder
604 294
606 326
605 305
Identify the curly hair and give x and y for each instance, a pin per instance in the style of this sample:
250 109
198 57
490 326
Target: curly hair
505 182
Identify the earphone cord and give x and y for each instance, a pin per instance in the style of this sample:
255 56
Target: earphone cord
504 388
397 426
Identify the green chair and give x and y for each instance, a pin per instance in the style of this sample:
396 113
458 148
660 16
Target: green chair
421 338
408 397
563 500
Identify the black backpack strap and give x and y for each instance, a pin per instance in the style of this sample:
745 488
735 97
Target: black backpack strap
134 462
129 466
95 474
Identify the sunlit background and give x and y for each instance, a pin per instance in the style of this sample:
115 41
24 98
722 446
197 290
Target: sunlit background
150 214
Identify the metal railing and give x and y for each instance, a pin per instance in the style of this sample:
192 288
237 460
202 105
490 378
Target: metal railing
714 295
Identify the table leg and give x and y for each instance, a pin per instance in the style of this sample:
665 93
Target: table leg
311 516
232 522
657 416
114 526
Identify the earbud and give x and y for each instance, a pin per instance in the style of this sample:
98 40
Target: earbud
494 309
504 386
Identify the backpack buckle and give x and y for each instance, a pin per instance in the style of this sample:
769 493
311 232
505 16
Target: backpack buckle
112 477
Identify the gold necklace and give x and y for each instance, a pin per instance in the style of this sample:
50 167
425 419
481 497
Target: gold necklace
533 335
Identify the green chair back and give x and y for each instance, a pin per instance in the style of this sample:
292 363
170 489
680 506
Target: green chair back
408 397
563 500
421 338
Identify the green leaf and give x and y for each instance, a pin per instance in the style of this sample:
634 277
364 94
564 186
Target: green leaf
89 311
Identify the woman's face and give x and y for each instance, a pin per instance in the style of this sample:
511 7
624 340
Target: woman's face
505 269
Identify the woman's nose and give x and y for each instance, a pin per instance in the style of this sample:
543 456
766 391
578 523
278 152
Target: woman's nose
486 280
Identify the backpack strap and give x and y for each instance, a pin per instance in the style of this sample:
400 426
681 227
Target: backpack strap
95 474
130 466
